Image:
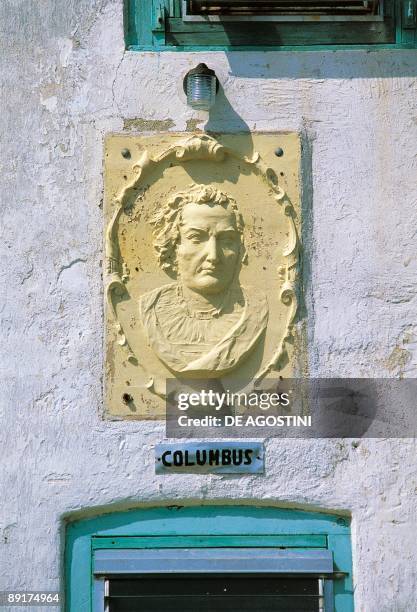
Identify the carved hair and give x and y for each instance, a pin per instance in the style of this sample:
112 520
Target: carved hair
166 220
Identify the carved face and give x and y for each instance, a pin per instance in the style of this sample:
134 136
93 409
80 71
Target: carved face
209 248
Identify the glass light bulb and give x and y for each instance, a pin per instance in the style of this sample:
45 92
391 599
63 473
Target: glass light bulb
201 91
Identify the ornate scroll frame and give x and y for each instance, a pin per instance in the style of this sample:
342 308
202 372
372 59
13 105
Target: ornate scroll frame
203 147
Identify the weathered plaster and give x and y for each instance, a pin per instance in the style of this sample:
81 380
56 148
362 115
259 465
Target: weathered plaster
66 82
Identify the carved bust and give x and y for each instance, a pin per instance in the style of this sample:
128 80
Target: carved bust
205 323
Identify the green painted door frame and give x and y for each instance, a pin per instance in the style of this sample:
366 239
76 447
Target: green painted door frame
204 527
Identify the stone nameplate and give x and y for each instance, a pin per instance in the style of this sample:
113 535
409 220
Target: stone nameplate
210 457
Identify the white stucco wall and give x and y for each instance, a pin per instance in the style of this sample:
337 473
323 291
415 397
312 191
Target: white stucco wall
66 82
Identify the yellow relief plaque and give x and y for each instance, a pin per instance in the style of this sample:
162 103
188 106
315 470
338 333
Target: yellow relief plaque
202 263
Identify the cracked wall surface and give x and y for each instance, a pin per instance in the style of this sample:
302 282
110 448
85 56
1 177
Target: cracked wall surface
66 82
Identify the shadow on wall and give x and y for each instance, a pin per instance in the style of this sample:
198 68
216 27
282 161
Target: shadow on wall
223 116
331 64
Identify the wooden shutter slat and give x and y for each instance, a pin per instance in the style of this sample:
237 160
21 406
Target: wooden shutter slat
247 7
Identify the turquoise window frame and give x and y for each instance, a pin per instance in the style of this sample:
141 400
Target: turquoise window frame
205 527
144 23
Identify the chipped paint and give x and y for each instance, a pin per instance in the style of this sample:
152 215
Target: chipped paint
148 125
193 125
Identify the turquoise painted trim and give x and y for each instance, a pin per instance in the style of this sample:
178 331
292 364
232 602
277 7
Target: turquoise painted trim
284 541
78 570
342 557
144 33
206 521
321 48
404 36
212 520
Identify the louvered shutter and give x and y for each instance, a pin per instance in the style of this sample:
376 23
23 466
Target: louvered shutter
282 7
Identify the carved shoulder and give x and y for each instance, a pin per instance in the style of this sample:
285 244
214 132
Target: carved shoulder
150 299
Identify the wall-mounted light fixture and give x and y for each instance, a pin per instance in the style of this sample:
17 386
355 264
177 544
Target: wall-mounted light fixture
200 86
